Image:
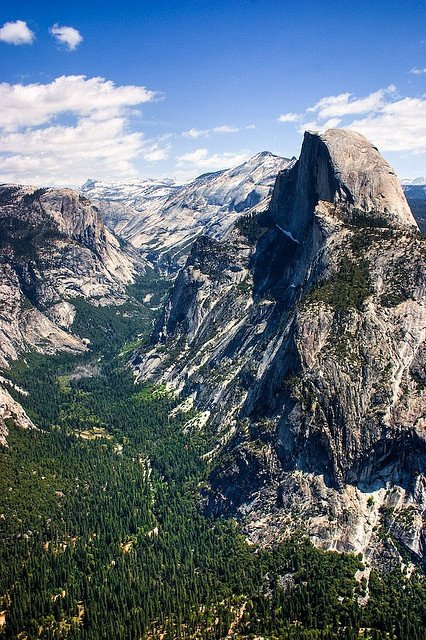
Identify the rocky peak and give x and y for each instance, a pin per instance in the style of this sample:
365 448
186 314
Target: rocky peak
163 219
54 246
306 350
343 168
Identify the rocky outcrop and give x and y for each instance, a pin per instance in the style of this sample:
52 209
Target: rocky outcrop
304 339
11 411
163 219
54 247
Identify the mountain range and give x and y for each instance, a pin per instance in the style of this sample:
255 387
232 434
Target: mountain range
185 363
162 218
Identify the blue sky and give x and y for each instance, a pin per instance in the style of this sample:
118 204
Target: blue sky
218 77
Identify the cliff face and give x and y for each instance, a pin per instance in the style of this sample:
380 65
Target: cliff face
301 337
342 168
53 247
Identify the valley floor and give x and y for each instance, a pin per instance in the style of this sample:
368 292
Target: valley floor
103 534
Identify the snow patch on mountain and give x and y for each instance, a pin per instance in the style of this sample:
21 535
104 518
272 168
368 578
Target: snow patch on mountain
163 218
415 182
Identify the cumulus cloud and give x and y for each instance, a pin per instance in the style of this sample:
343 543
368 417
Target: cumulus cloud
398 126
67 36
193 163
56 153
289 117
36 104
156 151
345 104
194 134
16 32
392 122
36 147
418 72
68 154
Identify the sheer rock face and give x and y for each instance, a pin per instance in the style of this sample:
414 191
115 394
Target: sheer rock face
343 168
305 342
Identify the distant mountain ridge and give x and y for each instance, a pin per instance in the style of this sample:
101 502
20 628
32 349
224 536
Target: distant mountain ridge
414 181
163 219
415 192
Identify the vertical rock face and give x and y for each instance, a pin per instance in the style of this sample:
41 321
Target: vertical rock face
304 339
340 167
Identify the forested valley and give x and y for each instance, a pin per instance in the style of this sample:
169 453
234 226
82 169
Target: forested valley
102 529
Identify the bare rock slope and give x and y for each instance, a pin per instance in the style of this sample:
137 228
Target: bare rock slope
54 247
163 219
301 337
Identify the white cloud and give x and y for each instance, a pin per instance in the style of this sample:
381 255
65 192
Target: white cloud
417 72
63 154
398 126
392 122
226 128
195 157
35 104
68 154
345 104
156 151
332 123
16 33
251 126
194 134
191 164
36 149
289 117
67 35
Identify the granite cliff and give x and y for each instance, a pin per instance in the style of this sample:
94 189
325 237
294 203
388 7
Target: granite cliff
300 337
54 247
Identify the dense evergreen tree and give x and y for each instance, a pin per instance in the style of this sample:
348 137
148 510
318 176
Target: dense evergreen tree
102 536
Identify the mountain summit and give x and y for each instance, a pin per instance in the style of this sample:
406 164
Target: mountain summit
163 219
343 168
301 338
